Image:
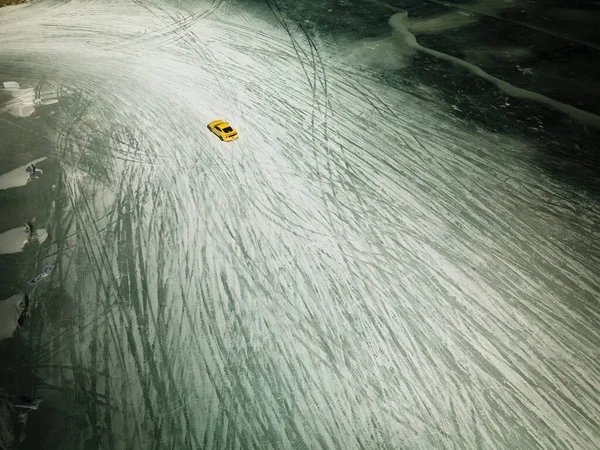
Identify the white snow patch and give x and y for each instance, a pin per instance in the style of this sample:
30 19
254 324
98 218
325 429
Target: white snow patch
11 85
39 101
21 105
19 176
10 311
13 241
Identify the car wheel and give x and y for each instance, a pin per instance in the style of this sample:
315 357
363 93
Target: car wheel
208 126
221 137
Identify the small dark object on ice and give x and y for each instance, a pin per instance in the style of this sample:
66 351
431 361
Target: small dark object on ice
28 230
47 271
32 170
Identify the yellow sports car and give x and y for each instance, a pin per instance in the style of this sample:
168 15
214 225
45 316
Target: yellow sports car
223 130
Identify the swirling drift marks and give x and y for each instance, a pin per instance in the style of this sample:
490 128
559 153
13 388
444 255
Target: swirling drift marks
297 289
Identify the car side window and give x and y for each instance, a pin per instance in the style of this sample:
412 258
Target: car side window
217 128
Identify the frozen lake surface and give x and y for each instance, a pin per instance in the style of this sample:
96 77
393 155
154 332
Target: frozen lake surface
362 268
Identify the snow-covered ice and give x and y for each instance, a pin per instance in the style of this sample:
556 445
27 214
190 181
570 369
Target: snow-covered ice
15 239
20 176
359 270
11 85
11 310
21 104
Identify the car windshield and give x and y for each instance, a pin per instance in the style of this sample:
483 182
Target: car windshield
227 130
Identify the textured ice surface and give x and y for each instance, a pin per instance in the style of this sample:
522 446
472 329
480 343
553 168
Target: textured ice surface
358 270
